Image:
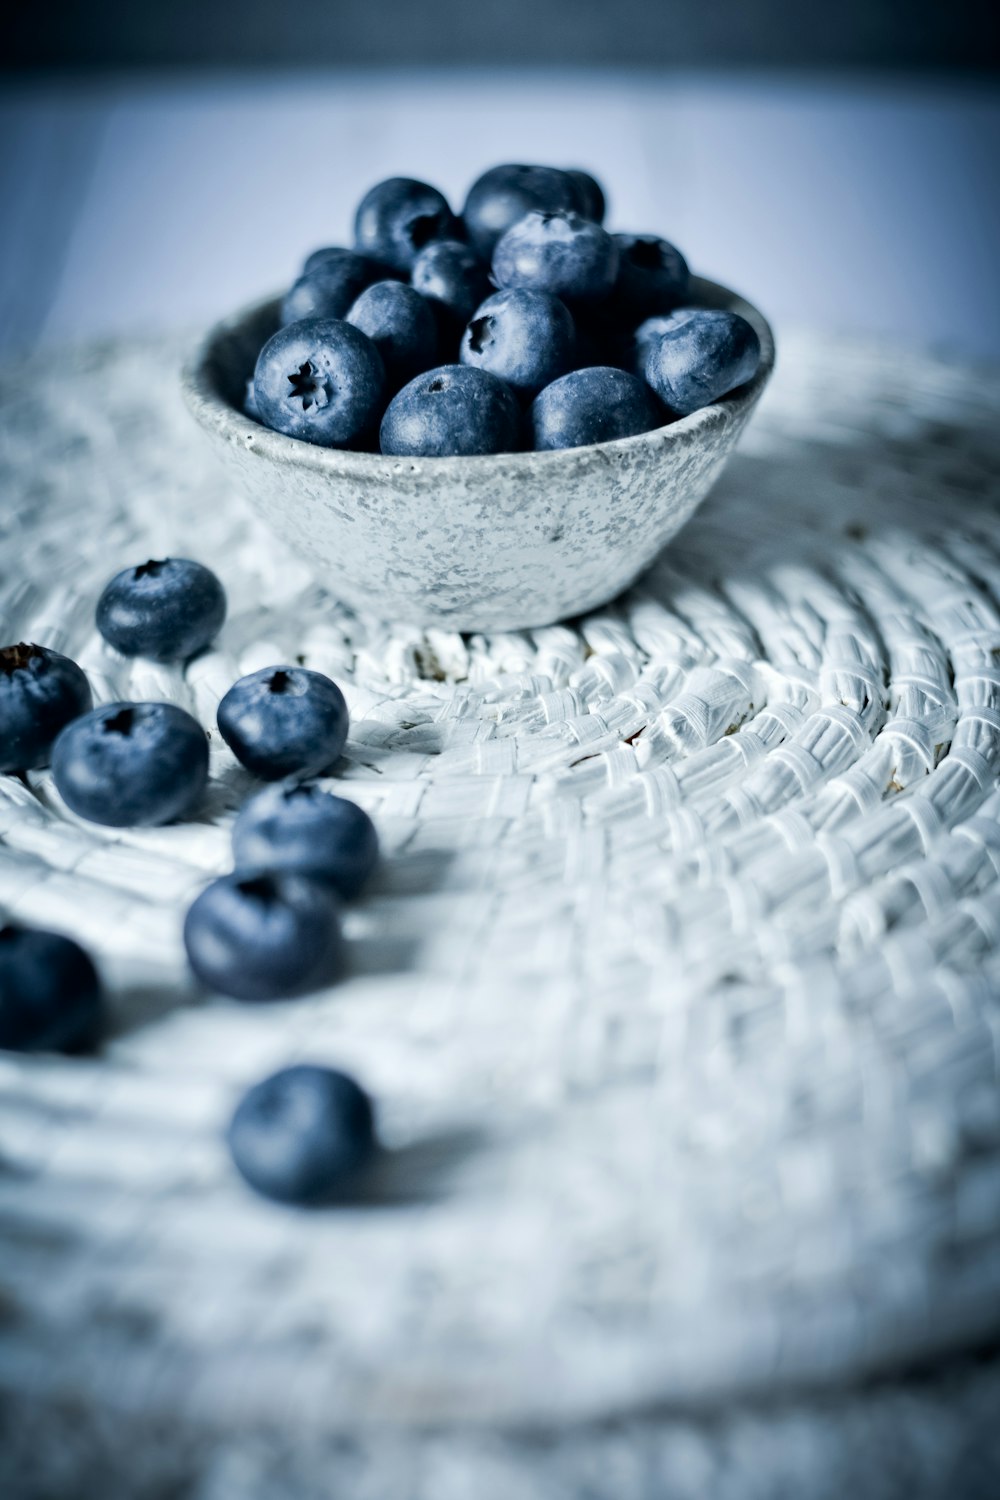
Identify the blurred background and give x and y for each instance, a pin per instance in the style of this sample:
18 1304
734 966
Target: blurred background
160 164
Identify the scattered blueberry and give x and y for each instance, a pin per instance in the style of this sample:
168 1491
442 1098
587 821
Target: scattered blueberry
301 1135
560 252
595 405
504 194
321 380
700 358
40 693
452 275
331 281
128 764
589 193
264 937
305 830
284 721
526 338
398 217
50 995
452 410
401 325
166 610
653 276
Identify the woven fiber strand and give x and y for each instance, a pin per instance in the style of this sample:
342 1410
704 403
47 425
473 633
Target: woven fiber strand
677 987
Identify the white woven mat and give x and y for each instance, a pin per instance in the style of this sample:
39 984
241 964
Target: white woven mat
677 988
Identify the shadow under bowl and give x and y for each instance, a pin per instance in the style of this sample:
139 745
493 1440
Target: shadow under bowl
494 542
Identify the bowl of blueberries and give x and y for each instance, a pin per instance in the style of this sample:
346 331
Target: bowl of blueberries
488 421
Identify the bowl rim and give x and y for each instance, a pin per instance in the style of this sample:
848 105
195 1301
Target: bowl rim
215 413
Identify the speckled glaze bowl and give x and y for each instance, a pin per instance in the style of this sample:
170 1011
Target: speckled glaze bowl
488 543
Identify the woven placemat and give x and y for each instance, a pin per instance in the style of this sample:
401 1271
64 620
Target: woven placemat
677 987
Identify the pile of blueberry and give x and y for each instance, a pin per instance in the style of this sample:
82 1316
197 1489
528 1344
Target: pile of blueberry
521 324
269 930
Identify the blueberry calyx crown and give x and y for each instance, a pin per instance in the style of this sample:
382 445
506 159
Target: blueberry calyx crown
122 722
262 888
437 384
279 682
150 569
645 253
424 228
310 386
18 658
480 333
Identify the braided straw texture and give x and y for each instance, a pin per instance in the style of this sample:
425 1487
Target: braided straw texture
677 988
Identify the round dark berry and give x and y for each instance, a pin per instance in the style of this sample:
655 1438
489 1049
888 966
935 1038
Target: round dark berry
308 831
264 937
525 338
302 1135
596 405
504 194
321 380
452 410
398 217
130 764
40 693
702 356
558 252
330 282
284 721
50 995
166 610
653 277
401 325
450 274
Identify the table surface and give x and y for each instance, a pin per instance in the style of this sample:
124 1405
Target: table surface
150 203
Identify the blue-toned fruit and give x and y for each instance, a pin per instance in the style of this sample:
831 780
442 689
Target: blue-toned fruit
40 693
302 1135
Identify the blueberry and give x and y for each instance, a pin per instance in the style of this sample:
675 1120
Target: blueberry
558 252
653 277
398 217
321 380
309 832
374 270
50 995
301 1135
595 405
524 337
264 937
648 332
589 193
40 693
166 610
452 410
284 721
128 764
504 194
401 325
330 282
453 276
700 358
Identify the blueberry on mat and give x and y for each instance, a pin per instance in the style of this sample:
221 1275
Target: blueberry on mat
301 828
264 937
129 764
284 721
302 1135
167 610
50 995
40 693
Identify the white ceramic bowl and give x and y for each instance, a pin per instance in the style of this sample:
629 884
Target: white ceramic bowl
487 543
